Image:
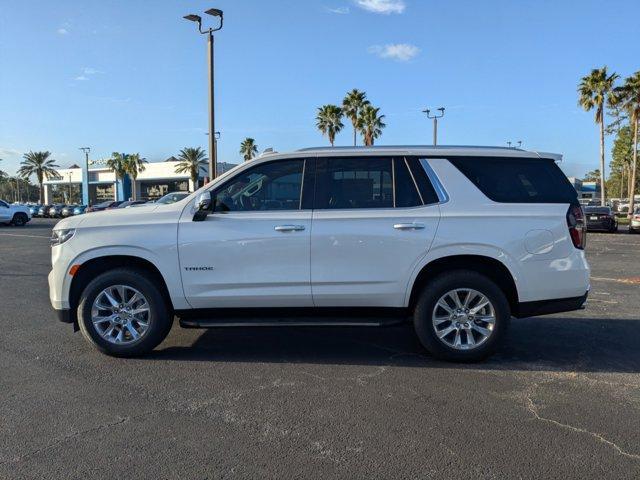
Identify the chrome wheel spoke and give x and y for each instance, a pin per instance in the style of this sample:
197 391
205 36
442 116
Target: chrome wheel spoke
128 314
468 311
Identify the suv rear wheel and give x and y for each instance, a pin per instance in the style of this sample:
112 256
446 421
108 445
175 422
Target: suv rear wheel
122 313
461 316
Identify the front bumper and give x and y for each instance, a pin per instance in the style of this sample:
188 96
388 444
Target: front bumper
64 315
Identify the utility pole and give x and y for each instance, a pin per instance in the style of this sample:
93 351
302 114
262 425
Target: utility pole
435 118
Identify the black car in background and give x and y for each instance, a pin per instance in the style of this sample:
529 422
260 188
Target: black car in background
43 211
55 211
131 203
103 206
601 219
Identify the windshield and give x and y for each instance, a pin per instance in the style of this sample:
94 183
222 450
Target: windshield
172 197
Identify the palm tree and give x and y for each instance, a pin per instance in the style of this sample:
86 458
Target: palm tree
191 159
628 97
595 90
133 165
370 124
329 121
248 149
353 102
118 164
2 173
38 164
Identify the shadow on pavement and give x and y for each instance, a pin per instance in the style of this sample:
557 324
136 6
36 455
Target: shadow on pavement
551 343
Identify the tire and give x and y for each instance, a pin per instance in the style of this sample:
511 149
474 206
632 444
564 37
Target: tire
20 219
158 317
426 313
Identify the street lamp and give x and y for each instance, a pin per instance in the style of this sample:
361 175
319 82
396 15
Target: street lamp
435 118
214 12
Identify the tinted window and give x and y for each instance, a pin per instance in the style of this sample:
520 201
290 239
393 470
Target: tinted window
517 180
600 210
354 183
271 186
406 193
2 204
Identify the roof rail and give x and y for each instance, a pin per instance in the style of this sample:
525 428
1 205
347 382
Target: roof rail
400 147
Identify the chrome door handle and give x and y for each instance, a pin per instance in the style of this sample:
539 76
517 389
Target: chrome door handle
289 228
409 226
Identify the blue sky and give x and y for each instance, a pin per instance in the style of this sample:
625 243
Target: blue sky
130 75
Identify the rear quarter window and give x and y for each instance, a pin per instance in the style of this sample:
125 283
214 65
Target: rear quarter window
517 180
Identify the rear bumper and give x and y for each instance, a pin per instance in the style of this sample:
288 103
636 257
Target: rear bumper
546 307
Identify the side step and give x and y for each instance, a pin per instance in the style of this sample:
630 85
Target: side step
294 317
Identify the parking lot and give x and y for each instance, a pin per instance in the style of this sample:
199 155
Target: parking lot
560 400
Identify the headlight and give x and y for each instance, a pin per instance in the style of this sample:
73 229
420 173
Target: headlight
58 237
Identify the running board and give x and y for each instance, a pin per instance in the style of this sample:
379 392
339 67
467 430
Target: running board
293 318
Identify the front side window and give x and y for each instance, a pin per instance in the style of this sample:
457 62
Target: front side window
345 183
270 186
2 204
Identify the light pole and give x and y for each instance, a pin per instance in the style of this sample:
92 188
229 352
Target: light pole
519 142
85 183
435 118
214 12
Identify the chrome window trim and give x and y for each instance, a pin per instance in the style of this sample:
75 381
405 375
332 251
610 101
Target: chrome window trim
443 196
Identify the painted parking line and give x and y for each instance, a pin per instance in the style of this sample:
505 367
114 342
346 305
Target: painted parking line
630 280
23 235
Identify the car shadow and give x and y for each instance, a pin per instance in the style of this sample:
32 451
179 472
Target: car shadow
543 343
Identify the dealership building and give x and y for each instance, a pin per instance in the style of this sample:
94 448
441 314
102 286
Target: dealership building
72 185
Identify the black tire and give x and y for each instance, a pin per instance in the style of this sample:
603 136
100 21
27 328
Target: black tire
438 287
20 219
160 314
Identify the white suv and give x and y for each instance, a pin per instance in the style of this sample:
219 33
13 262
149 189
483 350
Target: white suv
14 214
459 239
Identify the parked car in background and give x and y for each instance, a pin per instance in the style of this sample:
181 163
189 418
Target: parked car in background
33 209
79 209
67 211
401 231
55 211
18 215
601 219
172 197
43 211
634 222
131 203
103 206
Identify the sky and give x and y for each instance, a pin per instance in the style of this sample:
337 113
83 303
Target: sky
131 75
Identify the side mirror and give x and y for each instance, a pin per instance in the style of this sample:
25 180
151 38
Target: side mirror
204 206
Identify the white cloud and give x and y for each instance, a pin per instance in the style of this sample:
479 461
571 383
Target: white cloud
62 31
338 10
81 78
86 74
401 52
382 6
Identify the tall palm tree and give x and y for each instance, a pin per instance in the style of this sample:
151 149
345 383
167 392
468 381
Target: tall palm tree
2 173
248 149
133 165
118 164
191 159
40 165
594 91
353 102
329 121
628 97
370 124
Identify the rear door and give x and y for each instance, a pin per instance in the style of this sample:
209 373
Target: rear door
372 223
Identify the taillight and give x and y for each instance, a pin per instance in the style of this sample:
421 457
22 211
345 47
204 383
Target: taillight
577 228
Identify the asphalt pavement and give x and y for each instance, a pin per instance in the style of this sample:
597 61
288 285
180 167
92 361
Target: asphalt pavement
560 400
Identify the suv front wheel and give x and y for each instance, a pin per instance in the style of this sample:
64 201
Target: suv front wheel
461 316
122 313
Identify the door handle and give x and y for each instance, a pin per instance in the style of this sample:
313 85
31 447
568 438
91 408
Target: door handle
289 228
409 226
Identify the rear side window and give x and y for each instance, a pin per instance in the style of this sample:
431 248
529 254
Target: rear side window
517 180
406 193
354 183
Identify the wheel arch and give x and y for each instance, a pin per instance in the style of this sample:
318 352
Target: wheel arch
101 264
491 267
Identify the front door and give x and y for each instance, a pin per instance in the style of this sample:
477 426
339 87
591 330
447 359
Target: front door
372 223
253 250
5 212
